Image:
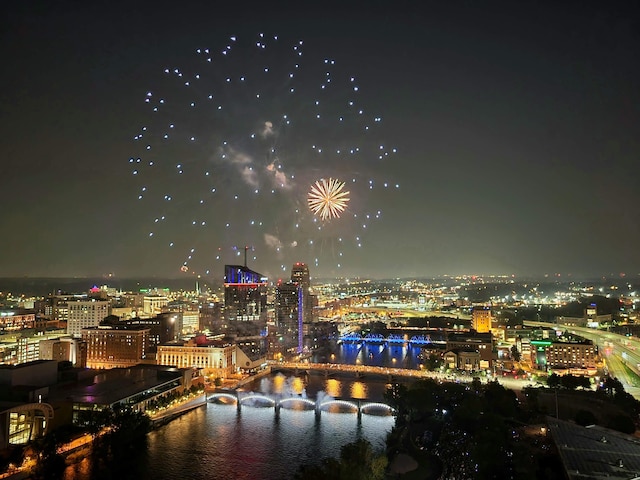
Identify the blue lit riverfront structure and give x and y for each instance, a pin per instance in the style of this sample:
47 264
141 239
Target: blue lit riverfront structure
356 337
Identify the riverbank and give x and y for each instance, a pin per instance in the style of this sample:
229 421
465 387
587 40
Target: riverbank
78 448
174 412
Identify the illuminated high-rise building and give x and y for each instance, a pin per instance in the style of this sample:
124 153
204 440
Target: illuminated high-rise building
481 319
85 313
300 275
289 315
245 294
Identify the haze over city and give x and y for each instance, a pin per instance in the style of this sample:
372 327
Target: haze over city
494 138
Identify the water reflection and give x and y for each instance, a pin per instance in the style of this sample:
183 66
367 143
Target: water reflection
316 384
358 390
218 441
373 354
215 441
333 387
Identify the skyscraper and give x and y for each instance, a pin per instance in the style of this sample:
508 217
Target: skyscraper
289 314
245 294
300 275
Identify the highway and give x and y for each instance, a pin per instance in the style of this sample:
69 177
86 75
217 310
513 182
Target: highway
620 353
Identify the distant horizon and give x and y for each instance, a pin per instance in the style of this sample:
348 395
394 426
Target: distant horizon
209 278
44 286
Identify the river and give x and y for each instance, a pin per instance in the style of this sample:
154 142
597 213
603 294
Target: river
216 441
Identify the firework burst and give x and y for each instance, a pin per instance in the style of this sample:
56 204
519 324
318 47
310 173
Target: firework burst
328 199
234 148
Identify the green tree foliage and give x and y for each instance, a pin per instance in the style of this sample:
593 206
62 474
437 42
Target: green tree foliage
554 380
357 461
515 354
432 362
396 397
50 463
475 437
113 451
571 382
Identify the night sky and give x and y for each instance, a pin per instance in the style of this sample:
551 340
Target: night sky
494 138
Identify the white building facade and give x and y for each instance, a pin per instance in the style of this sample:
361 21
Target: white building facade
85 314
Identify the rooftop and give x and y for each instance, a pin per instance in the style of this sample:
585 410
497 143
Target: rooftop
107 387
595 452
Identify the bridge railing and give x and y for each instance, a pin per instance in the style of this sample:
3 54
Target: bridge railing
360 369
393 339
260 399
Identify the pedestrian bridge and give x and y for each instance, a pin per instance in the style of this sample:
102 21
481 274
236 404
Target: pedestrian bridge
392 339
358 406
358 370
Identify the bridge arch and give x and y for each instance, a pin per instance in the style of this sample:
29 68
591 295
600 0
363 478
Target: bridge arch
228 396
377 406
305 401
258 397
343 403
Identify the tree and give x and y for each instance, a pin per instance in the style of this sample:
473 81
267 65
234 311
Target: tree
612 386
357 461
554 380
395 396
515 354
622 423
585 417
432 362
50 463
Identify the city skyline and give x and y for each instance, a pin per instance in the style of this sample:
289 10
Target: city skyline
509 131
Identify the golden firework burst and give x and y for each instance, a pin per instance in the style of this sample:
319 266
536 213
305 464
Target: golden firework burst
327 198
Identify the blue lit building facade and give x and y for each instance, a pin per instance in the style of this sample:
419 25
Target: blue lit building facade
245 294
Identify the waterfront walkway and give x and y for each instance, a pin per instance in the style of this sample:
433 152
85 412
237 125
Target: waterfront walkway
178 409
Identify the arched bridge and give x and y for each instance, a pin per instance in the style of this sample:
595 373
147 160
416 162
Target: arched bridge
358 406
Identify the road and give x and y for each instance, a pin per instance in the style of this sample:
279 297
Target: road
621 353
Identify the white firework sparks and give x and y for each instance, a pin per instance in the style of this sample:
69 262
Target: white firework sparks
328 199
231 144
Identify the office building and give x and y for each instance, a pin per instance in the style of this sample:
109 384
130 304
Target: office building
163 328
16 320
85 313
576 358
64 349
300 275
215 358
111 346
245 294
470 342
481 319
26 416
135 387
154 304
289 312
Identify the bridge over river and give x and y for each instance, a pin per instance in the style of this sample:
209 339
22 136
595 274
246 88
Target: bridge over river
260 400
358 370
391 339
